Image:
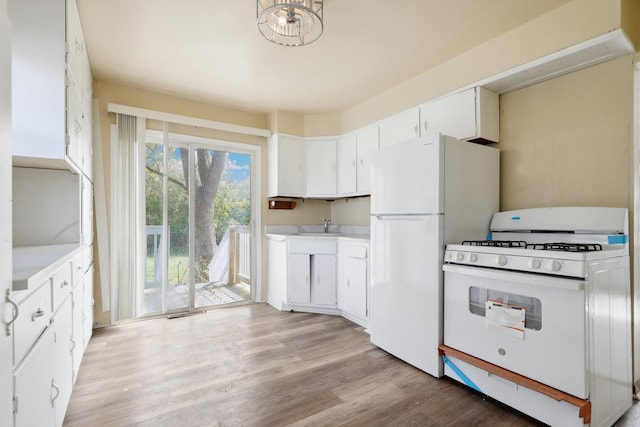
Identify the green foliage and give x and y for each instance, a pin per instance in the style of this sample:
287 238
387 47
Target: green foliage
232 205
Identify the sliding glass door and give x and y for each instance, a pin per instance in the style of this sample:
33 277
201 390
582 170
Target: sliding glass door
198 221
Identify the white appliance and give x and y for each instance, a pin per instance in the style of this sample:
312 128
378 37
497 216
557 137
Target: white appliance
548 299
425 192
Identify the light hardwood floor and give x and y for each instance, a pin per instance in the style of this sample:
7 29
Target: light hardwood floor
255 366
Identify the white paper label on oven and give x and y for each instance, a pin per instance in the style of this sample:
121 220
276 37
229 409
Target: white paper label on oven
507 317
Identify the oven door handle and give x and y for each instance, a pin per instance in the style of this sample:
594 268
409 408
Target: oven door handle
514 276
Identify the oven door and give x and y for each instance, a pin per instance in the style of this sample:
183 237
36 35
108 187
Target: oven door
484 312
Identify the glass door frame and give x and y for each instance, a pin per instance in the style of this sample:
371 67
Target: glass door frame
167 139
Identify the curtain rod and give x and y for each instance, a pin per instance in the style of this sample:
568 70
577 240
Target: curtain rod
186 120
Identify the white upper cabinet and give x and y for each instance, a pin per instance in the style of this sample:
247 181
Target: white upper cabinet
341 167
400 127
368 142
49 98
321 167
347 164
355 151
286 166
38 70
469 115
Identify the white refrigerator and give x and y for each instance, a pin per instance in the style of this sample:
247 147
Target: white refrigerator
425 193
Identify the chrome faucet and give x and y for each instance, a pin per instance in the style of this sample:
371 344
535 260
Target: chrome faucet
327 222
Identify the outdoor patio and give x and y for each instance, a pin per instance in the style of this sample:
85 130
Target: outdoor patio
206 295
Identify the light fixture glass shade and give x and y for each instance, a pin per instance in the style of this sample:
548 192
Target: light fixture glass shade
290 22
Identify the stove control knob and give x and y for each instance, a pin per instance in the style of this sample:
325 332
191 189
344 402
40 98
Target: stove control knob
473 257
460 257
501 260
554 265
534 263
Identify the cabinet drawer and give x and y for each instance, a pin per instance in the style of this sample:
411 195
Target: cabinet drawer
33 318
60 285
353 251
312 246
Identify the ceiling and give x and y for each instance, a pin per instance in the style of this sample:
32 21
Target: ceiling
211 50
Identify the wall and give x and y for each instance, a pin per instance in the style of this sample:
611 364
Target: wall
565 26
351 211
631 20
568 141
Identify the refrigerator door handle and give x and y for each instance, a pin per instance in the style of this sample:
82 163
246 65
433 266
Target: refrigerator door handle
405 216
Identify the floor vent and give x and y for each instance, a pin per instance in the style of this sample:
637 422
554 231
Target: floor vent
184 314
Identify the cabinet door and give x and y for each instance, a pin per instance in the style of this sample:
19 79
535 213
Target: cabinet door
75 122
321 168
75 41
368 142
86 210
276 271
34 386
87 308
61 328
323 291
38 78
347 164
352 288
77 340
400 127
453 115
468 115
299 279
287 172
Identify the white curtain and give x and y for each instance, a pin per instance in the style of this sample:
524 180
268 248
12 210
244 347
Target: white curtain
125 240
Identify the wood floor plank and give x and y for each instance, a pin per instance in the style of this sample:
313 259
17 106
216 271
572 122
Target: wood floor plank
255 366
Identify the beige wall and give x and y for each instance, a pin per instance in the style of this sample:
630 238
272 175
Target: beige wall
568 141
568 25
631 21
351 211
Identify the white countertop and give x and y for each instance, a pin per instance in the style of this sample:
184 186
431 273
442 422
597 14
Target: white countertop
34 264
317 231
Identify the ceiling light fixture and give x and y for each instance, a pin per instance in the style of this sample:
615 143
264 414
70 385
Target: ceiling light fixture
290 22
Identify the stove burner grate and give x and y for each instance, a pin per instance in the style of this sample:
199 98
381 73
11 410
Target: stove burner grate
567 247
496 243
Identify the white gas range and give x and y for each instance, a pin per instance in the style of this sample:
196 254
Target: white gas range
544 304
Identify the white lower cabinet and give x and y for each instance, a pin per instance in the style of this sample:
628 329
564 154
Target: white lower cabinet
43 380
61 327
87 308
277 271
50 335
311 273
77 331
299 279
324 275
323 282
353 280
34 387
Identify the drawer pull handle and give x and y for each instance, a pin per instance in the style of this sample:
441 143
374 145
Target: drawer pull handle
57 390
15 312
63 284
37 314
73 345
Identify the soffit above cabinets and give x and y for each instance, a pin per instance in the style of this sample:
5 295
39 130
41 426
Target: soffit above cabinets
591 52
